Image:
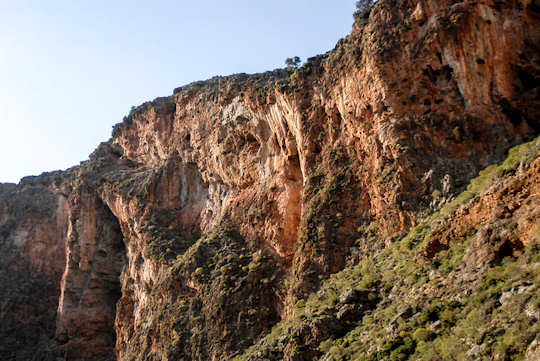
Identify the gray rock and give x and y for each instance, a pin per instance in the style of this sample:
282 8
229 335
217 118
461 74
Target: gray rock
356 296
435 326
349 313
324 327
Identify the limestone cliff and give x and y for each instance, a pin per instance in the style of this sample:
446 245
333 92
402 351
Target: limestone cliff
213 215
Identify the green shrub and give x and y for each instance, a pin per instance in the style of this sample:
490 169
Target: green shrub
292 63
363 8
422 335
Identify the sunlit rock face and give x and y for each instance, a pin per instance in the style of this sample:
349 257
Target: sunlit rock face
211 212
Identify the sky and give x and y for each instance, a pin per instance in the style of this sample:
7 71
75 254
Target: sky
70 70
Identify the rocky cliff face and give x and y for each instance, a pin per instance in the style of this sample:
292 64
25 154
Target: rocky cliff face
33 224
212 214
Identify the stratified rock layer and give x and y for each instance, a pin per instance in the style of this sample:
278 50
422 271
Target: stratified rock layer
212 212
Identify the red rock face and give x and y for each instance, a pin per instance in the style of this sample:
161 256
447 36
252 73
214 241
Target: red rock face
33 225
289 172
506 215
90 284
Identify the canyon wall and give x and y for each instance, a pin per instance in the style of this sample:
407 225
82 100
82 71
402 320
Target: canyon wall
210 213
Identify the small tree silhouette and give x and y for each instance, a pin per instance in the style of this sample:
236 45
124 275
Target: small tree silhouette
292 63
363 7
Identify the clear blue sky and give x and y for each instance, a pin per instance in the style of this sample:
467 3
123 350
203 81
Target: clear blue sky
70 70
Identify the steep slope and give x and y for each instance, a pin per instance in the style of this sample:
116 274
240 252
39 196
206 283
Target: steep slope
33 225
212 214
474 296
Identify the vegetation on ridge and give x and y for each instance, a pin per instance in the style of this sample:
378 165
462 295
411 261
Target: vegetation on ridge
417 308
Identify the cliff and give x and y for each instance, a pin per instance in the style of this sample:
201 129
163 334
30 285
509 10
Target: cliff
335 211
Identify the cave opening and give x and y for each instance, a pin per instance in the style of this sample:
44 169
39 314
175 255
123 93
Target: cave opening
91 286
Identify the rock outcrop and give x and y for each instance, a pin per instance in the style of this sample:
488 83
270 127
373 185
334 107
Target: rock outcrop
33 226
211 214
